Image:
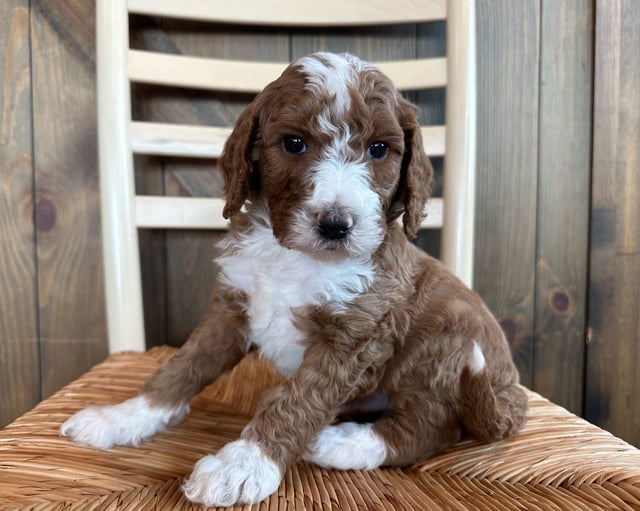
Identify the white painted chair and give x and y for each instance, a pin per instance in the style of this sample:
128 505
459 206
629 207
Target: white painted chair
123 211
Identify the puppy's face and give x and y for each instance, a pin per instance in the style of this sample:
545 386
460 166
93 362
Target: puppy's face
336 154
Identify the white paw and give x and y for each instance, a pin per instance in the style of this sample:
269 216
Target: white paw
348 446
128 423
239 474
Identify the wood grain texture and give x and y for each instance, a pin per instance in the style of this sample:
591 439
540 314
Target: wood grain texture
371 43
508 95
564 167
251 77
189 272
300 13
149 179
70 283
613 355
153 264
19 362
431 42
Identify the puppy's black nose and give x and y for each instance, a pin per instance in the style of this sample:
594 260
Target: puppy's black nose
334 226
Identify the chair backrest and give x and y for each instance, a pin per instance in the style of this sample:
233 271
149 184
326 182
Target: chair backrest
118 66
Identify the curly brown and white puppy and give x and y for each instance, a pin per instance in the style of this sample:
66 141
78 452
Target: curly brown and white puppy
317 274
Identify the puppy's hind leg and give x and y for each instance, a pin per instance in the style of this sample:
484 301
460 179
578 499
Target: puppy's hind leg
491 410
417 428
348 446
352 444
404 436
215 346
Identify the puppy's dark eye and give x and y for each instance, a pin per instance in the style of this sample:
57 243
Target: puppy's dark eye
294 144
377 150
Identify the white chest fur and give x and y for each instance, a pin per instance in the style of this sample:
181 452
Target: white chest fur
277 280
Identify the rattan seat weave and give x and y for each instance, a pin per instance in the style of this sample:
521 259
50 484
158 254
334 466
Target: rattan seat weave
558 462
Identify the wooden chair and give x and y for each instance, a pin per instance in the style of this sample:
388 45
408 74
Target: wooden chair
123 211
558 462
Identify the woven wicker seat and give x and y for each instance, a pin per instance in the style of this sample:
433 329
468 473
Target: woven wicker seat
558 462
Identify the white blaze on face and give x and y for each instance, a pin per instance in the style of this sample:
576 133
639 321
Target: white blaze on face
335 74
341 181
341 178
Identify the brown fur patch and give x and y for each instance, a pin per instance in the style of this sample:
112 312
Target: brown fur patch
408 337
217 344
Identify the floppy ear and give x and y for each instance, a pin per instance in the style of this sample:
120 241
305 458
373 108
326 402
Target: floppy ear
237 162
416 171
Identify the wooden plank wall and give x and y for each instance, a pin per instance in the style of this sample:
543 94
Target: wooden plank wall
19 358
612 397
539 62
68 255
534 167
562 217
52 320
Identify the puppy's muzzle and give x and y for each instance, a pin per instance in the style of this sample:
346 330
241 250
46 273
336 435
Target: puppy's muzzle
334 225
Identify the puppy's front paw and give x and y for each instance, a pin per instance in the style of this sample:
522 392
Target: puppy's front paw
128 423
239 474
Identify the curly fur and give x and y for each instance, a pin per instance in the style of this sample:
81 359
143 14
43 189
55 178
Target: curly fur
355 316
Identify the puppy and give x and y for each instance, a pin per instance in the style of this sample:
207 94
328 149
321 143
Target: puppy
318 275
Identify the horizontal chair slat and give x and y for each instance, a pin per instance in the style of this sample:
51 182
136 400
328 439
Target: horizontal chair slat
433 138
156 212
416 74
251 77
299 13
201 73
434 217
164 139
